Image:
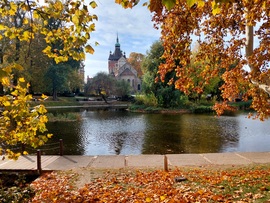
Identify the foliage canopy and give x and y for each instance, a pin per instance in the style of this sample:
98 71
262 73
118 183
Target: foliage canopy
225 31
68 25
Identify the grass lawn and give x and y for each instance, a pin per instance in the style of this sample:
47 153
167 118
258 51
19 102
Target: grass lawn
62 101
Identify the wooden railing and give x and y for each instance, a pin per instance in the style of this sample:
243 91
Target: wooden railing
59 146
55 146
61 152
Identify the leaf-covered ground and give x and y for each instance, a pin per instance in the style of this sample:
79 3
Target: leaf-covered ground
248 184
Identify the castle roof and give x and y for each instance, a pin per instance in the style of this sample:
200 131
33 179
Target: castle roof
117 54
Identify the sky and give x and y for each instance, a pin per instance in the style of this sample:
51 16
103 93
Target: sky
134 29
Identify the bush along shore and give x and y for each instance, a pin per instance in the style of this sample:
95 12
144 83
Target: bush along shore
196 108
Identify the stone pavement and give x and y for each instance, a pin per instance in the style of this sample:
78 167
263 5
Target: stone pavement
67 162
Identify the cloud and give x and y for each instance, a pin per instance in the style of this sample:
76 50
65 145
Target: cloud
133 26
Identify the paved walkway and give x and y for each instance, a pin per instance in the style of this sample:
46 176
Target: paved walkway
135 161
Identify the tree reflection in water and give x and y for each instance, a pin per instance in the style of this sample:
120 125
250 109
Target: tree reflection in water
122 132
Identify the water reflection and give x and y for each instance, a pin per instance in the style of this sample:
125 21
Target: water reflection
254 135
113 132
70 133
121 132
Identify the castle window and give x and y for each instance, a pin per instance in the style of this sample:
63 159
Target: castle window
139 87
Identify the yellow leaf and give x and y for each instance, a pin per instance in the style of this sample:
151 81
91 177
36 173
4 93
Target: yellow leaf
25 36
89 49
25 21
190 3
44 97
2 27
47 50
92 27
95 17
93 4
215 8
58 5
13 8
5 81
200 4
40 143
49 135
75 19
148 199
21 80
6 103
162 197
35 14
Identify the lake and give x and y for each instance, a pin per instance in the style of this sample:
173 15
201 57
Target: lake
110 132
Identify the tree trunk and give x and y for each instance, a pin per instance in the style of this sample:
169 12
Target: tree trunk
1 61
255 71
249 47
54 94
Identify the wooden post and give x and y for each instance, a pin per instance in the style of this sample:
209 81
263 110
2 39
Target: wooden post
23 148
61 147
166 163
39 161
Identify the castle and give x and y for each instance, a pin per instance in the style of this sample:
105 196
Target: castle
121 69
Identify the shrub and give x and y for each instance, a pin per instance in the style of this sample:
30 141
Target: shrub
147 100
15 188
64 117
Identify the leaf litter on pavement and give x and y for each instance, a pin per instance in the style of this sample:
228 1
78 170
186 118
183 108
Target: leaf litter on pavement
234 184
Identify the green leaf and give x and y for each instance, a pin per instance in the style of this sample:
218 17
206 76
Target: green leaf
169 4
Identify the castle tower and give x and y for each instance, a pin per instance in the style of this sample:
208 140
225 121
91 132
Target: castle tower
114 57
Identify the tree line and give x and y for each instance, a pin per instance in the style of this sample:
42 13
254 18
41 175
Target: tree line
41 71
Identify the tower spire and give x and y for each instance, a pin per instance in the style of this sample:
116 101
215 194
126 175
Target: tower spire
117 41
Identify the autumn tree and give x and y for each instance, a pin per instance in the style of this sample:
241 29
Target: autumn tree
19 124
135 59
225 31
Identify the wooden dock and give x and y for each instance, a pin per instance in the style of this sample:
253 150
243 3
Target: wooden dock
48 163
56 162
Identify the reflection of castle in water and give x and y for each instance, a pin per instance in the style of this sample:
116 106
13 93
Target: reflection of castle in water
117 141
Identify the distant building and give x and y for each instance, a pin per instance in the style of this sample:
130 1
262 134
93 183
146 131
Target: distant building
121 69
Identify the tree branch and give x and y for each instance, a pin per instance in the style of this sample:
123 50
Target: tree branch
264 87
